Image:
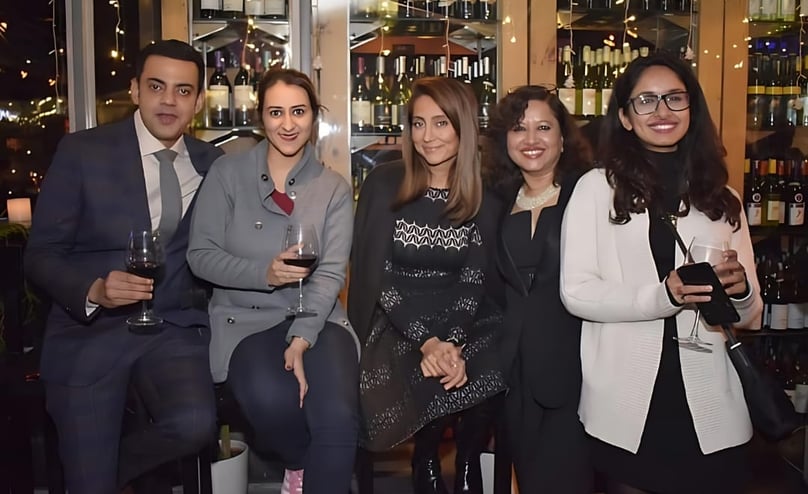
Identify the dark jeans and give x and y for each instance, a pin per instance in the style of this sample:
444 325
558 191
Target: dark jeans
171 374
321 437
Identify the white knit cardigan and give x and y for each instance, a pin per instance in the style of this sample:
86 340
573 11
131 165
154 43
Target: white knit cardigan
609 278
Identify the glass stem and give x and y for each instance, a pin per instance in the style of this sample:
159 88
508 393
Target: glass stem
694 331
300 295
144 311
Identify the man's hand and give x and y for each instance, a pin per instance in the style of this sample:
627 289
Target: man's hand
120 288
293 361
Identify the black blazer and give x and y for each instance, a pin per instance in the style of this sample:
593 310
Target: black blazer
93 195
540 347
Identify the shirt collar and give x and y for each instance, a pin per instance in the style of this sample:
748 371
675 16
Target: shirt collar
149 144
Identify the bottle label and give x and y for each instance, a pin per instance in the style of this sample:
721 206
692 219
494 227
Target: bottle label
232 5
796 211
243 97
210 5
381 115
360 112
782 218
767 315
805 312
788 9
754 212
779 317
768 9
589 101
796 316
218 96
773 211
606 96
567 96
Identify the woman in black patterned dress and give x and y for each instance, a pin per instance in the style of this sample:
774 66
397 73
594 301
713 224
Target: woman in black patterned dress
421 268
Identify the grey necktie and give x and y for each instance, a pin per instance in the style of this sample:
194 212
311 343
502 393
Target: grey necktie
170 195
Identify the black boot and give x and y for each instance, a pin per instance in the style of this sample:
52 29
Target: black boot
471 433
426 477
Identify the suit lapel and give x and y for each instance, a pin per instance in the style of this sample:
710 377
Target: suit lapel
505 260
133 179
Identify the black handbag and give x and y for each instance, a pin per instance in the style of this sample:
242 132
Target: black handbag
770 409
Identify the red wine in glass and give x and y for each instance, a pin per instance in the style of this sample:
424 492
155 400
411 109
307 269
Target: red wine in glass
303 240
302 261
144 257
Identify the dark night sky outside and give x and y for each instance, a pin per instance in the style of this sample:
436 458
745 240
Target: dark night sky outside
29 36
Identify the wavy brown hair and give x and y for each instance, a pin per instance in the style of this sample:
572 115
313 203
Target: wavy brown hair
634 178
458 102
500 171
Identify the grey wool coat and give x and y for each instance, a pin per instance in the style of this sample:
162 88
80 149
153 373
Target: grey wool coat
236 231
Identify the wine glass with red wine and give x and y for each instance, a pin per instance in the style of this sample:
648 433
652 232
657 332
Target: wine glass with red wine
303 239
144 257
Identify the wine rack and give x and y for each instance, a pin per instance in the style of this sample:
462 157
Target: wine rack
239 40
394 43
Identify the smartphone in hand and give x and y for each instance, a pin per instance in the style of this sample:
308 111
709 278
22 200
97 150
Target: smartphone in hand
719 310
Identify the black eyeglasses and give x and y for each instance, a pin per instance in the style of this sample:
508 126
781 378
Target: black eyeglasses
550 88
646 104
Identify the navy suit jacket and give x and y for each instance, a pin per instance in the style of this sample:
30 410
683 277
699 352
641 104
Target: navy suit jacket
93 195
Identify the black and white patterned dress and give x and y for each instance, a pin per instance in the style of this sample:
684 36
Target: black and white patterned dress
432 286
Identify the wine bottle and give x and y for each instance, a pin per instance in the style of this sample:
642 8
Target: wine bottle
275 9
597 80
755 10
487 97
232 9
754 198
795 198
589 90
774 91
756 101
210 9
771 196
791 91
360 100
607 81
254 7
794 296
779 304
487 10
243 98
566 81
401 95
782 177
380 99
219 95
256 75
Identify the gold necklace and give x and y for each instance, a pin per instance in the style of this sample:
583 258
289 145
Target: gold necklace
532 202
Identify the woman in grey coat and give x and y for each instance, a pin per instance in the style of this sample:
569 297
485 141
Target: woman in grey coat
295 379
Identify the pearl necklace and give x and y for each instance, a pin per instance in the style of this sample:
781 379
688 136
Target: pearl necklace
532 202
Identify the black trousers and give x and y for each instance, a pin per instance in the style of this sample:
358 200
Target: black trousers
321 437
171 374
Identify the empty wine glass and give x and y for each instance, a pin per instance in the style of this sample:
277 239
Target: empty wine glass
709 250
144 257
303 238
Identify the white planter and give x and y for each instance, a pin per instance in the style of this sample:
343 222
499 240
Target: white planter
230 476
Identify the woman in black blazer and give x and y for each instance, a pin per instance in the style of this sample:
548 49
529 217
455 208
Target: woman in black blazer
537 154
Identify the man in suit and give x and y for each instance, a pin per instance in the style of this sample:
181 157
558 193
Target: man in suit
102 184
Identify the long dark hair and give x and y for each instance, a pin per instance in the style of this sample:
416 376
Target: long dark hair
634 178
500 171
465 183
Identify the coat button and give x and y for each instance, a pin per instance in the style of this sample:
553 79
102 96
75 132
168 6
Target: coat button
264 177
231 320
258 225
292 182
292 194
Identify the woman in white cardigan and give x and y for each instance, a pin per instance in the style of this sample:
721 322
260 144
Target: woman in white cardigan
662 418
